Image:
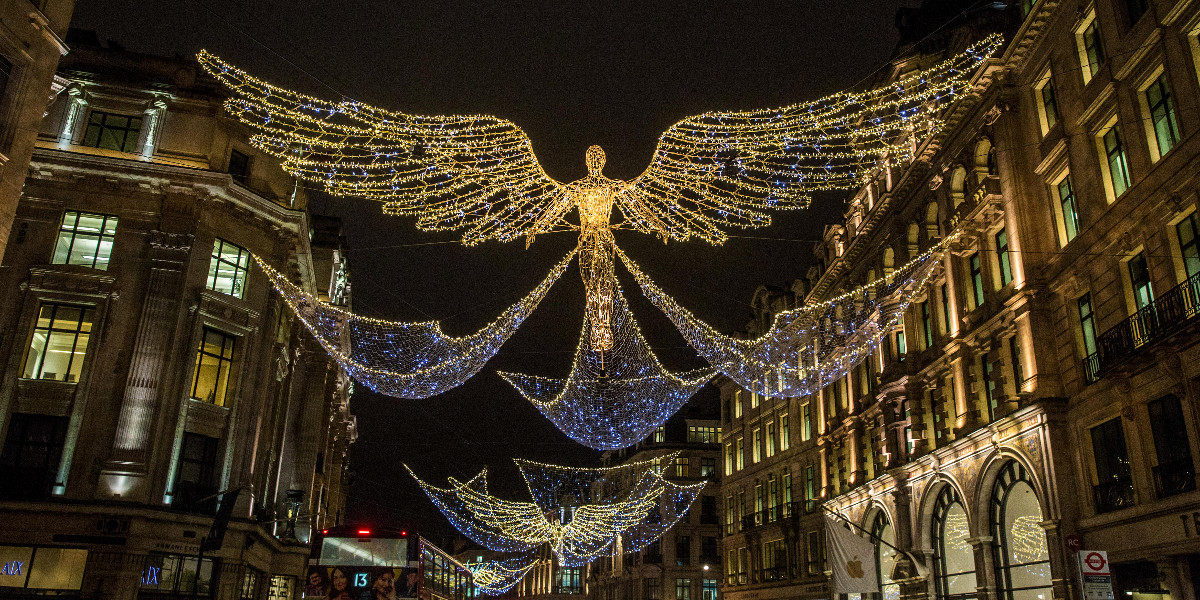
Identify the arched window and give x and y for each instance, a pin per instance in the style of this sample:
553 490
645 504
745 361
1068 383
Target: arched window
1022 559
889 261
954 559
932 228
985 158
885 555
958 181
914 234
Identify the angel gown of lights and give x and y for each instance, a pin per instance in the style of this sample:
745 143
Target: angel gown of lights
709 173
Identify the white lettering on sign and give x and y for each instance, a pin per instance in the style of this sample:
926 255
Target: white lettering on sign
12 567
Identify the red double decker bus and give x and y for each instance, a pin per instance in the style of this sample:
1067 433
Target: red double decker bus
363 563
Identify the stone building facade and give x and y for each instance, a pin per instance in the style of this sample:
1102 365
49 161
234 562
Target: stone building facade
169 429
31 43
1041 395
685 562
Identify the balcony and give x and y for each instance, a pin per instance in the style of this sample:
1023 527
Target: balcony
1114 494
774 574
1175 477
1152 323
770 515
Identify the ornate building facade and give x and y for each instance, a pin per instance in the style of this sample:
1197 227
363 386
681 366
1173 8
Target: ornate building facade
168 428
1041 395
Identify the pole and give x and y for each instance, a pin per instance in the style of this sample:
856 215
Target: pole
868 533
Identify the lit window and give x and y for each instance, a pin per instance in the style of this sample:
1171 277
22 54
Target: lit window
683 589
85 239
1116 161
754 399
976 278
60 340
989 384
770 440
1069 211
1162 115
756 449
708 467
945 291
1087 324
1139 280
1188 231
1048 103
785 433
741 454
681 467
704 435
1002 257
660 434
1091 47
214 360
806 422
926 324
112 131
228 269
737 404
901 345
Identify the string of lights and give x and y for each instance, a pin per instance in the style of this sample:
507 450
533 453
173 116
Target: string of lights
494 577
810 346
611 399
581 514
402 359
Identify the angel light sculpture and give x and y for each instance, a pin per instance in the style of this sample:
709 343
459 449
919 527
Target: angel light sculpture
478 173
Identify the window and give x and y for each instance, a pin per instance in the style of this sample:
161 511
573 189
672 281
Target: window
708 467
737 404
954 558
251 582
710 590
1014 350
653 588
660 434
1189 246
214 361
945 289
901 346
85 239
926 324
989 384
1048 103
228 269
806 422
1117 163
681 467
1134 9
704 435
976 278
683 589
774 560
1114 485
112 131
30 459
810 488
1091 47
730 515
280 588
785 432
708 510
756 449
59 344
741 454
885 556
729 459
1162 115
683 551
1069 211
1023 560
1139 280
814 565
770 440
1003 259
197 475
760 503
569 580
239 166
179 575
1175 472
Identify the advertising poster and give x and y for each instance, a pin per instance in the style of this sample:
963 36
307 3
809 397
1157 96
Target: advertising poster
361 583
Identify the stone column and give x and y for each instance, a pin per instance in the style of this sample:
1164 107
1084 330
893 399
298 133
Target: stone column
985 566
148 379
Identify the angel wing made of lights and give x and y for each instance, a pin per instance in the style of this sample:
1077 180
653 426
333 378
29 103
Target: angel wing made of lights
479 174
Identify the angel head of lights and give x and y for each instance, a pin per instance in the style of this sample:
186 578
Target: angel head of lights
478 173
581 513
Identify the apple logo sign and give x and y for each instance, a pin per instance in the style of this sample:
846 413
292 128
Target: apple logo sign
854 568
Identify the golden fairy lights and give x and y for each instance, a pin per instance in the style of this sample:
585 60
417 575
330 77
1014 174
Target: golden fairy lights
495 577
615 398
580 513
405 360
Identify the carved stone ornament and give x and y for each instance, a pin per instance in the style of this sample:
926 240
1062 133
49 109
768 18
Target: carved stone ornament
992 114
935 182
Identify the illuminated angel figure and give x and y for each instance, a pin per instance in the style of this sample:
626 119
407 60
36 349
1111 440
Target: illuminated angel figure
478 173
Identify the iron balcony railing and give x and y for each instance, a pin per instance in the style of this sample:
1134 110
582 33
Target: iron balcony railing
770 515
1162 317
1175 477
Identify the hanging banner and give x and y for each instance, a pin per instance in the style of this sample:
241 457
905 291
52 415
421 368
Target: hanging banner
851 559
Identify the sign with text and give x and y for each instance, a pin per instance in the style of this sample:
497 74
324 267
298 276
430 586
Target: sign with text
1096 575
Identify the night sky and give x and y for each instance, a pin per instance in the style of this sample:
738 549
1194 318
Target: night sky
571 74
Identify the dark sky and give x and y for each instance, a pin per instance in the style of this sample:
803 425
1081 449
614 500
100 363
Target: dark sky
572 74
